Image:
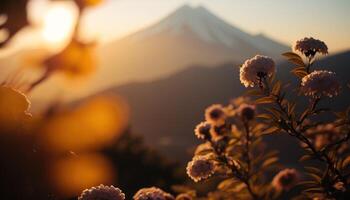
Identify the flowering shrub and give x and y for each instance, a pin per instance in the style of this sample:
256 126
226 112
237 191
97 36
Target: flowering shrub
233 150
324 142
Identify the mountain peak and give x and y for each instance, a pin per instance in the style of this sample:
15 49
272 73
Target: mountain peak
198 21
203 24
201 8
185 7
189 10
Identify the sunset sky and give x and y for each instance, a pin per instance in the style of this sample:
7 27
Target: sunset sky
284 20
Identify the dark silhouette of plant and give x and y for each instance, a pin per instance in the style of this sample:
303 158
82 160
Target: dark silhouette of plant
234 150
138 165
325 142
15 12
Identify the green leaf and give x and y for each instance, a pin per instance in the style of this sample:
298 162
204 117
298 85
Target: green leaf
275 112
270 130
305 158
276 88
289 55
299 73
303 115
309 184
291 108
253 92
300 68
265 156
265 100
314 190
269 162
297 61
346 162
204 152
313 170
227 184
264 116
315 177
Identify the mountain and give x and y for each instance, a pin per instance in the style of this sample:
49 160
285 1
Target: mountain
188 36
166 111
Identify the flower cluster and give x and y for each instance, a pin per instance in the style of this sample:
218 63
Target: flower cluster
232 149
323 134
310 46
285 179
202 130
254 70
152 193
246 111
320 83
102 192
324 139
216 115
200 168
112 193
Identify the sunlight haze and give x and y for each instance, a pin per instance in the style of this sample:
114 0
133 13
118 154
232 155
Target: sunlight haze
285 21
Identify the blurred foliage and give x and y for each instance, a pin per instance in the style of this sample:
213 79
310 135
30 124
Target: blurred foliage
104 118
15 12
139 166
30 169
77 59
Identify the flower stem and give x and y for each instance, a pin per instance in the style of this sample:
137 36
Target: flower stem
321 156
288 126
249 187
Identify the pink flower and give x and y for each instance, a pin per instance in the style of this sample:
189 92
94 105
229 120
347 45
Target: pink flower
255 69
246 111
102 192
216 115
310 46
285 179
152 193
202 130
200 168
320 83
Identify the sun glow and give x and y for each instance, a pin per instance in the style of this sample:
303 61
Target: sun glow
58 23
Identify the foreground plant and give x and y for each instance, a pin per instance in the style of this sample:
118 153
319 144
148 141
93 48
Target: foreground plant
233 150
114 193
102 192
325 141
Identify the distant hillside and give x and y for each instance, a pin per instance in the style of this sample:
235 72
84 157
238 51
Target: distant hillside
166 111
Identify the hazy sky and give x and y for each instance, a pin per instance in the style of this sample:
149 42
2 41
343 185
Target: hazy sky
283 20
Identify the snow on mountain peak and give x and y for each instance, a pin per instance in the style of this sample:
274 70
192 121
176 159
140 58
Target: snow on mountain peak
199 21
206 26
